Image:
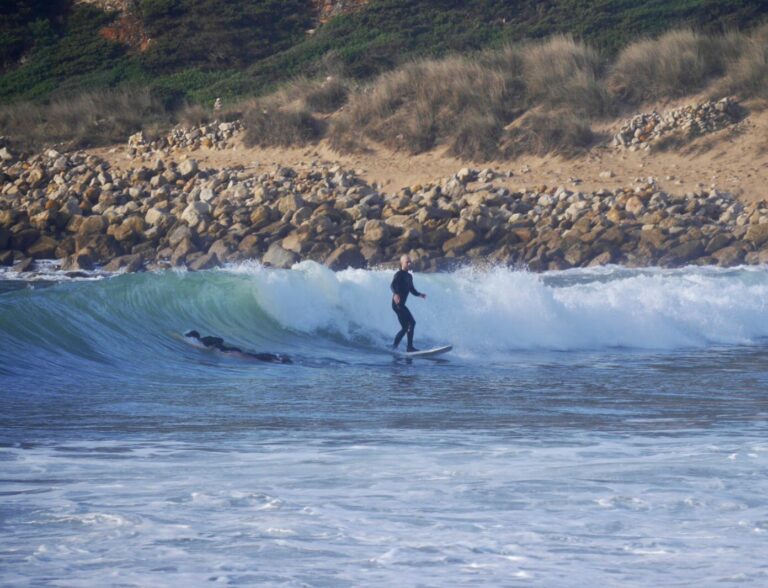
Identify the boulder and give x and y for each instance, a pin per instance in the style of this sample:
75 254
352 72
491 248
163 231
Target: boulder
222 248
249 247
103 247
603 258
9 216
184 249
155 217
179 233
757 235
718 242
195 212
92 225
43 248
729 256
187 168
683 253
25 265
346 256
204 262
297 241
460 243
6 258
261 217
207 195
290 204
575 254
23 238
757 257
127 263
635 206
466 175
375 231
82 260
129 231
302 215
278 257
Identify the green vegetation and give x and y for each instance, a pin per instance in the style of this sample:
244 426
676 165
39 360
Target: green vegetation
78 58
27 25
209 34
201 49
388 33
433 72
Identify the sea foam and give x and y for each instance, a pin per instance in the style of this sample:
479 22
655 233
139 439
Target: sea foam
501 309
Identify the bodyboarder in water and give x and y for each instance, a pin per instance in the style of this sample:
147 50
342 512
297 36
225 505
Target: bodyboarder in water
217 343
401 286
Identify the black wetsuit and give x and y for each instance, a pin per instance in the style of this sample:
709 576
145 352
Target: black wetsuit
402 285
218 343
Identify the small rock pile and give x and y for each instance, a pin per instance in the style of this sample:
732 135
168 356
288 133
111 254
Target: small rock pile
690 121
75 208
216 135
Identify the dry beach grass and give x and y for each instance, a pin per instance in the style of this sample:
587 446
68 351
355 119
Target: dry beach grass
474 106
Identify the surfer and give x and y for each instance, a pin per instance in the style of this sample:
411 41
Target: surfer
401 286
217 343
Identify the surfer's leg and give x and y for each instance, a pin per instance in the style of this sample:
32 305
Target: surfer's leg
402 317
410 328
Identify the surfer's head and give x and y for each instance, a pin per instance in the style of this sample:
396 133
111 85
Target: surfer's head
193 334
405 261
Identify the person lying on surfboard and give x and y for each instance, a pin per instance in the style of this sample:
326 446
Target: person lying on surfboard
217 343
401 286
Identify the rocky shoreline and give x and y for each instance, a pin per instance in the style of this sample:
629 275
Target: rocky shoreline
76 208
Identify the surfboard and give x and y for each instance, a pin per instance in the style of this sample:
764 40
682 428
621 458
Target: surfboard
424 353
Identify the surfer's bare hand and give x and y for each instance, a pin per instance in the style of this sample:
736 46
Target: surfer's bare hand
424 296
396 298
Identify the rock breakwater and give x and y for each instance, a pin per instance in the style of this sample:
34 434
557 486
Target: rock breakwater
77 209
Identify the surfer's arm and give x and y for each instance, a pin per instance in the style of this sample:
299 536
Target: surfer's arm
413 289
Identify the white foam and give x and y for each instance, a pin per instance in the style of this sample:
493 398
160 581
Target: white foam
500 309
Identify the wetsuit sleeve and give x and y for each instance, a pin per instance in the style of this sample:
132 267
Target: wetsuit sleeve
411 288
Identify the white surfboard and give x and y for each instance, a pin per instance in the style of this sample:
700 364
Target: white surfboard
424 353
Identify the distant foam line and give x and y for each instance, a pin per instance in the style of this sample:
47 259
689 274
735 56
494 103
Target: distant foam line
500 309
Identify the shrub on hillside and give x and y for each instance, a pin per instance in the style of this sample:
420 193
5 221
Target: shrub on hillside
328 96
423 104
320 96
748 75
544 132
676 64
563 73
89 119
476 137
269 125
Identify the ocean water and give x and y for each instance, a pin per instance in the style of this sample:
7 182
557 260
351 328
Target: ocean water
591 428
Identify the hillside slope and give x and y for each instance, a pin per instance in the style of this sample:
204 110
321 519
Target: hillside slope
200 49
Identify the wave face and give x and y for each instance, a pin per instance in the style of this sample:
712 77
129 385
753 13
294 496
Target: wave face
309 309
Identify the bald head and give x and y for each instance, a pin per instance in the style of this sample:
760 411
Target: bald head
405 261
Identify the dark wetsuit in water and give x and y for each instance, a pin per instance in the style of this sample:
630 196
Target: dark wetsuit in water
218 344
402 285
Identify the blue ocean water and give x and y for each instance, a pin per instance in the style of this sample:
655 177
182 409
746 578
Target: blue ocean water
598 427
